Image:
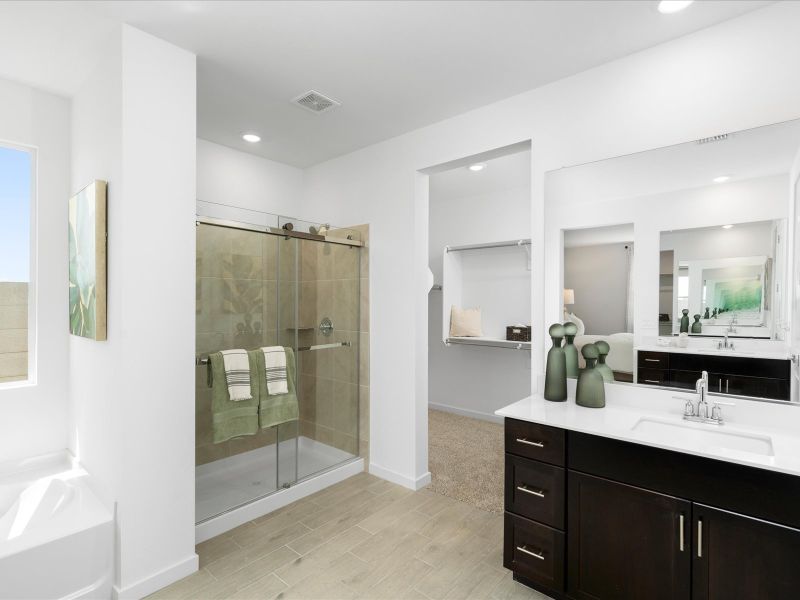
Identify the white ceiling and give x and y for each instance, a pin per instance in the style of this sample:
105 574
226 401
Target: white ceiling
504 173
395 65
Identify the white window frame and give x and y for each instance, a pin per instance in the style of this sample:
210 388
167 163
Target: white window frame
33 274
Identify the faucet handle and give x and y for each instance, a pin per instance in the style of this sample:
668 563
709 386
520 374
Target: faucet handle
716 409
688 408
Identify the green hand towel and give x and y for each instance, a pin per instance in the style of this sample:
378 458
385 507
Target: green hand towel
279 408
230 419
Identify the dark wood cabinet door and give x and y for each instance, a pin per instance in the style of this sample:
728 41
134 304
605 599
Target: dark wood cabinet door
759 387
741 558
625 542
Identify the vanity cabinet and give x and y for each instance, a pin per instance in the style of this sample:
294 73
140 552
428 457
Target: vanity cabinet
735 375
618 520
626 542
739 557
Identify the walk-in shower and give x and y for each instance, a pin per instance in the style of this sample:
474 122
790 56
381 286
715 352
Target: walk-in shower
277 281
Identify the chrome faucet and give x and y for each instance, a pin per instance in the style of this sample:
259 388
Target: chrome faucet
732 323
702 390
725 345
699 413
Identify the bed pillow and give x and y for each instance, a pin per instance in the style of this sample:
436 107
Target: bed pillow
574 318
465 322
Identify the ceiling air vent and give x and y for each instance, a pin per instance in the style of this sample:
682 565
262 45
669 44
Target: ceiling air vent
315 102
714 138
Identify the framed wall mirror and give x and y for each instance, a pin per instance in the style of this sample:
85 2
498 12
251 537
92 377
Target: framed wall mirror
709 259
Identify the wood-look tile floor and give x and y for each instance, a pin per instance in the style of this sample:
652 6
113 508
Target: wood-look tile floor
361 538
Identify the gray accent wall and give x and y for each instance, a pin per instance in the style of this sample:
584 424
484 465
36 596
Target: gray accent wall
598 276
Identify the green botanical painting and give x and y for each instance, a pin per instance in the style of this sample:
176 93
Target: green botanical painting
87 262
741 295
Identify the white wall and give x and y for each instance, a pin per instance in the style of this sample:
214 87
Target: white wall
132 397
470 379
737 75
33 418
242 180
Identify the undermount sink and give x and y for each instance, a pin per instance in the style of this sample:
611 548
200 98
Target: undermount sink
703 436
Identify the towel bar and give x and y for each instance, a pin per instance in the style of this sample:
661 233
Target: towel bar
203 360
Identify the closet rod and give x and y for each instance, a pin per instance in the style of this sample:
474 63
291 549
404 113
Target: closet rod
509 243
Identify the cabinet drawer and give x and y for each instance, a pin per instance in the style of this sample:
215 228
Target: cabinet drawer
535 490
653 360
539 442
653 376
534 551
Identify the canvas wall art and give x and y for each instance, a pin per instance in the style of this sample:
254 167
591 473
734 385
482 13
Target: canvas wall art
87 262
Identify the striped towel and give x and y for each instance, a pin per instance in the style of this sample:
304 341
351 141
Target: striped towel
237 374
275 367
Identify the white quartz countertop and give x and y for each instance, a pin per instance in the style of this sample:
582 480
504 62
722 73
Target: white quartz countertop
745 352
656 420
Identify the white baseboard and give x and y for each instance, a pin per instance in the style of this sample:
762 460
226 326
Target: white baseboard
145 587
239 516
465 412
398 478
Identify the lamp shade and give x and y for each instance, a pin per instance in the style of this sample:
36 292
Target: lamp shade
569 296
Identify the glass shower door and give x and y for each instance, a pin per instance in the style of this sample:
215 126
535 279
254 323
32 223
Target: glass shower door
236 307
322 326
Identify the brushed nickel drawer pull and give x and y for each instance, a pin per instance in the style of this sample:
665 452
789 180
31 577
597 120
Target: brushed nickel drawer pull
699 538
530 443
680 535
539 555
651 381
652 360
538 493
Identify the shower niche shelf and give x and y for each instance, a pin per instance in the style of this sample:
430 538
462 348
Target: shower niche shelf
494 276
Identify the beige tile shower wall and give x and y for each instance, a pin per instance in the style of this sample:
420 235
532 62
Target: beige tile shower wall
13 331
334 383
236 307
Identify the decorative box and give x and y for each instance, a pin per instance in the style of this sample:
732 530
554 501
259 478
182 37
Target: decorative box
518 333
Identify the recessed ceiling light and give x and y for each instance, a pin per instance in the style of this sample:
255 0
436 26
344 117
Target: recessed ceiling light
477 167
727 226
251 137
668 7
721 178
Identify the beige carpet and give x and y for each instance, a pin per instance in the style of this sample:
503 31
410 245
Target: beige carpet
465 457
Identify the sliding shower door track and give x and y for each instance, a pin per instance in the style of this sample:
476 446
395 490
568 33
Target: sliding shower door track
287 233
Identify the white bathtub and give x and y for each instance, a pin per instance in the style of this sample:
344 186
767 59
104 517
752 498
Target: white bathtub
56 536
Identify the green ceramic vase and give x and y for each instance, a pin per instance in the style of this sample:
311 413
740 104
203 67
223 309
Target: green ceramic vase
697 326
555 379
685 321
591 391
603 349
706 315
570 351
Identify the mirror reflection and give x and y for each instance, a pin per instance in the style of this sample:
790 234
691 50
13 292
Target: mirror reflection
598 293
721 280
679 259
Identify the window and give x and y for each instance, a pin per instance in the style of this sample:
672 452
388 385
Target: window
16 206
683 289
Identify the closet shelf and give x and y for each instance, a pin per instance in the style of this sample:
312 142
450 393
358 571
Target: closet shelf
488 342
